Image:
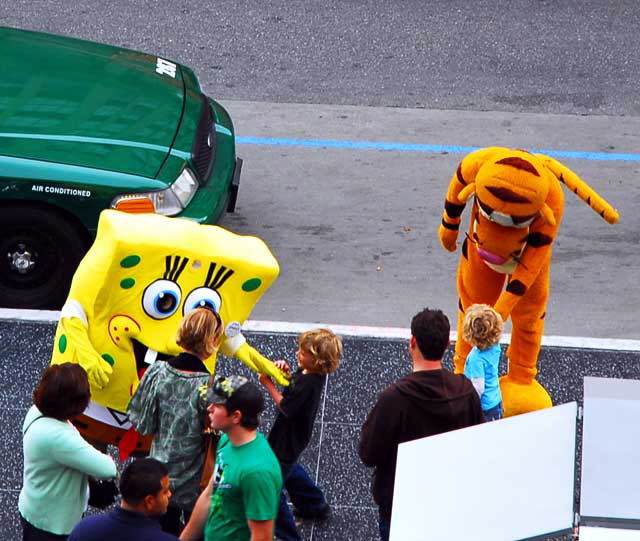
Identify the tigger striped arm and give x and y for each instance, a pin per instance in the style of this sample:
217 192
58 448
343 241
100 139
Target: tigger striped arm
464 177
451 217
539 242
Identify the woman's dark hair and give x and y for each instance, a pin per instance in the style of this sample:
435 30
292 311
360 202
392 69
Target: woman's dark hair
63 391
141 478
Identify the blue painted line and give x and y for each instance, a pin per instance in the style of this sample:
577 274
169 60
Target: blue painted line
429 149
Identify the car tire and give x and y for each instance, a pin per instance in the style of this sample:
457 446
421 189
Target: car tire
39 252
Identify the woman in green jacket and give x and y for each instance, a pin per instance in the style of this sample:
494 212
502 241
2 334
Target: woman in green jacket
57 460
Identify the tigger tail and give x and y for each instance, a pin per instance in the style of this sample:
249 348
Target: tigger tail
581 189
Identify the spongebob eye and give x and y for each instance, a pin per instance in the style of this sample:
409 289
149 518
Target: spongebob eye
202 296
161 299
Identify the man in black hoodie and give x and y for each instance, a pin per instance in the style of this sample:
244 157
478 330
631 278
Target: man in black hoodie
428 401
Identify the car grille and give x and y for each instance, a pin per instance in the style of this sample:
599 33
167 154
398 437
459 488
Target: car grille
205 143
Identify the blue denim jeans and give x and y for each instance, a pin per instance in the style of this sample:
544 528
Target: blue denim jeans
304 495
494 413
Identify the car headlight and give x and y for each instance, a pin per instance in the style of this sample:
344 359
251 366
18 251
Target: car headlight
169 202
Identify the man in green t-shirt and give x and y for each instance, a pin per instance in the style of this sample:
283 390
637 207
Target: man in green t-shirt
240 502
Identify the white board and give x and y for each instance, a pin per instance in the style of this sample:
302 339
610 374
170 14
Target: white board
610 451
501 481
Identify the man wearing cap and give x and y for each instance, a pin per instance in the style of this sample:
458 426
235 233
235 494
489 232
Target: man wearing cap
240 502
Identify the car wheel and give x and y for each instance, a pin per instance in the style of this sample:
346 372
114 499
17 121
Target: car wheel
39 252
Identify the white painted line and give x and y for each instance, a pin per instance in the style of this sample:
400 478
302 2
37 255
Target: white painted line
342 330
13 314
358 331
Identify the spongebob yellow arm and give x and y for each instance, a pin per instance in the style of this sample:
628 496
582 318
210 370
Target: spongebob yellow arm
73 322
239 348
453 205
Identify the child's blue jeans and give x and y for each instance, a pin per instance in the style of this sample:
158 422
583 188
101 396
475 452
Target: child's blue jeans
304 495
494 413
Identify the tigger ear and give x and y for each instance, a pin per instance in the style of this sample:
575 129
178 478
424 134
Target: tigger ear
547 215
467 192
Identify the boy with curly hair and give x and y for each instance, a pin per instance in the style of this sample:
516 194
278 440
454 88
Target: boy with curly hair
482 328
319 353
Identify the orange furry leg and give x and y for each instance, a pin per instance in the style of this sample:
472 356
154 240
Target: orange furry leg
521 392
527 320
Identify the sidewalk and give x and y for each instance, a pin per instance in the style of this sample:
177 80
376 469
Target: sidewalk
369 364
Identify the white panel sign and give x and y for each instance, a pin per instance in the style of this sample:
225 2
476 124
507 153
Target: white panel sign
610 451
500 481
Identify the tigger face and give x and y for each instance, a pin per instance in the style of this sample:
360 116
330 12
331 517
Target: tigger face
512 188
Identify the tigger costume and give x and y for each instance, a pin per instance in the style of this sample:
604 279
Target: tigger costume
515 216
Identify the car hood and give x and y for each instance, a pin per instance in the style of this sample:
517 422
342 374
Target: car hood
81 103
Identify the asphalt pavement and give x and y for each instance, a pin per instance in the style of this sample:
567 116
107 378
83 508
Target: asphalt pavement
350 199
354 226
574 56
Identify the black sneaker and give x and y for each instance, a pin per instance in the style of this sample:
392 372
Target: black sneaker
321 514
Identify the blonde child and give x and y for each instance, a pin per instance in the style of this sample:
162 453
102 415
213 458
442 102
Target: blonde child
482 328
319 353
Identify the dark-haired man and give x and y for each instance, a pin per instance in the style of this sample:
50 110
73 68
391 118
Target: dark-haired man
428 401
144 486
240 502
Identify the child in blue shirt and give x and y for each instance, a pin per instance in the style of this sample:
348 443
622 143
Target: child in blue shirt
482 328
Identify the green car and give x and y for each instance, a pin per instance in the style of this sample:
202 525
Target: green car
85 127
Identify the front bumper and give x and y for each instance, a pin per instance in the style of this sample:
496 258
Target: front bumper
220 191
235 186
210 201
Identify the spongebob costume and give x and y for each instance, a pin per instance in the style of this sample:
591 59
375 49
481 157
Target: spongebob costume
516 213
129 294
